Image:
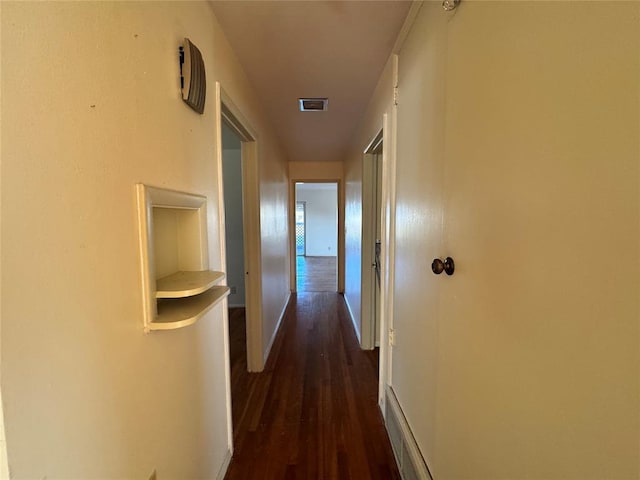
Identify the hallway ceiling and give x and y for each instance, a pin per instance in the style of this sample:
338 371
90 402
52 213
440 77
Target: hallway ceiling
294 49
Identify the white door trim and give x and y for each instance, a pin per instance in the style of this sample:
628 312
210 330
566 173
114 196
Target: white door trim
292 230
228 112
367 273
388 245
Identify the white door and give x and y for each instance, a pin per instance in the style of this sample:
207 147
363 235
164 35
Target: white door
518 157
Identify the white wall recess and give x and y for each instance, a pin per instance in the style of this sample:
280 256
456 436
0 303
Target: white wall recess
178 287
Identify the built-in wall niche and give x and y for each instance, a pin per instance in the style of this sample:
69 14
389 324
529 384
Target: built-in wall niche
178 287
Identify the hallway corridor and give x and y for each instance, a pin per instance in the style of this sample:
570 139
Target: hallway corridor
312 413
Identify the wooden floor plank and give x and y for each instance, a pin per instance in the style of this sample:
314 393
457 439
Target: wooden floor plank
312 413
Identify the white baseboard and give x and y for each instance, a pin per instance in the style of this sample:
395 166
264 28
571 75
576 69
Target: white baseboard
275 330
353 319
410 461
225 465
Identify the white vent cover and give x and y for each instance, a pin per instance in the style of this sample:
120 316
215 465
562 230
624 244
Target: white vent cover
313 104
408 456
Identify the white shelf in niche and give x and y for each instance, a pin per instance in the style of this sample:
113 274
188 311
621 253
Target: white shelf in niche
177 314
187 284
178 287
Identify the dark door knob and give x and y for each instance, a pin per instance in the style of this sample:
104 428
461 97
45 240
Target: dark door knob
438 266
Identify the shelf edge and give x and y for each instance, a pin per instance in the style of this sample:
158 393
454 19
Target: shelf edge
191 320
192 291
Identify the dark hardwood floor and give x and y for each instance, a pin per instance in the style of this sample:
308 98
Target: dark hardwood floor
241 381
312 413
316 274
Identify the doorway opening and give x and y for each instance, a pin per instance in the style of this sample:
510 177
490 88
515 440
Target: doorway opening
234 224
240 247
235 261
316 221
248 261
372 243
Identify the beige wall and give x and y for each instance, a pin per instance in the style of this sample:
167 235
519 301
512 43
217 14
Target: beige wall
518 155
315 170
4 464
90 107
274 249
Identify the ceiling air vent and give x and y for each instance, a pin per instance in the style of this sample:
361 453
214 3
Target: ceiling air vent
313 104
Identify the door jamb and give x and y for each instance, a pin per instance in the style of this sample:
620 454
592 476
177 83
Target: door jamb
226 110
387 254
367 275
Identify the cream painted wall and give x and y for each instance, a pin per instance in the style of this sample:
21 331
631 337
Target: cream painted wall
518 155
4 463
91 106
274 212
315 170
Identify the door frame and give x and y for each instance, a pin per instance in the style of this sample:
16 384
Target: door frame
372 154
292 230
386 134
227 111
